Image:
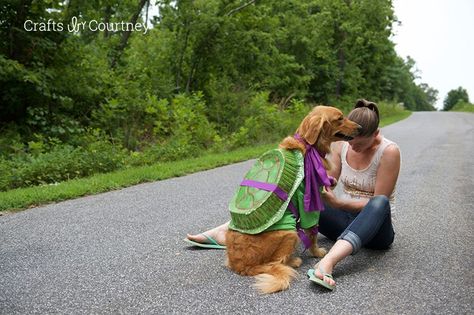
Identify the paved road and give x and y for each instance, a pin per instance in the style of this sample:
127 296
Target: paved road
122 251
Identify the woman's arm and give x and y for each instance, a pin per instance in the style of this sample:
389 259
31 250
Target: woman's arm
335 159
387 175
335 171
344 204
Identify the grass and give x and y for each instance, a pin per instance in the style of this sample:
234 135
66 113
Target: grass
23 198
463 107
394 118
17 199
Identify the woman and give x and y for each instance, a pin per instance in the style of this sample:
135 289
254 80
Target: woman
368 167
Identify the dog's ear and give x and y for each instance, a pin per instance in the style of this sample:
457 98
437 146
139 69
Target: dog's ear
311 127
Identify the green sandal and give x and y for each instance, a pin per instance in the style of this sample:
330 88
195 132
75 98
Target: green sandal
212 243
321 282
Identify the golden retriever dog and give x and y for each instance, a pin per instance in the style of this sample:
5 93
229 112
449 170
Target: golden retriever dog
269 255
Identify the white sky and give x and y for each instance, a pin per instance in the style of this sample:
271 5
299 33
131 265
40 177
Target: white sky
439 36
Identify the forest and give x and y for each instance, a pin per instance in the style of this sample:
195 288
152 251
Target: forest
146 81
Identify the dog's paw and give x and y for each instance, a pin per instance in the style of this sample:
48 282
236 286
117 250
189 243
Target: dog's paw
227 262
319 252
295 262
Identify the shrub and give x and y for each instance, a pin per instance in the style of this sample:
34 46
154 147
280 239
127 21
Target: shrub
61 163
265 123
6 175
387 109
188 121
462 106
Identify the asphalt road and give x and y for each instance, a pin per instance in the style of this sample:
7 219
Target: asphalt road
123 251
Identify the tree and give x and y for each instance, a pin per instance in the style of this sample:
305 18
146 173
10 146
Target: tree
454 96
126 34
227 51
431 94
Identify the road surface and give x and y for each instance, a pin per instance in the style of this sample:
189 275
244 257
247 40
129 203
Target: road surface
123 251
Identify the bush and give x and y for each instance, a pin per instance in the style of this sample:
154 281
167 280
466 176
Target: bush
387 109
61 163
463 106
189 123
6 175
264 122
10 141
138 122
174 129
172 150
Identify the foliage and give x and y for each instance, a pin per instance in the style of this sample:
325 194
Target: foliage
454 97
265 122
25 197
210 75
53 162
180 126
462 106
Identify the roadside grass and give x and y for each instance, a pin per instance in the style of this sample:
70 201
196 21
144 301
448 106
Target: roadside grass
18 199
394 118
23 198
463 107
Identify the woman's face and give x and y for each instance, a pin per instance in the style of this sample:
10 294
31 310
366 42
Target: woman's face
361 143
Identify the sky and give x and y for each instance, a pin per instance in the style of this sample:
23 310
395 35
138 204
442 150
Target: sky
439 36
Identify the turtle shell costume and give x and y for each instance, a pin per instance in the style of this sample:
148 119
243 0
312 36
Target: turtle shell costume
281 192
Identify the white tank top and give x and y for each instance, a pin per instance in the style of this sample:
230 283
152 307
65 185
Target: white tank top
360 184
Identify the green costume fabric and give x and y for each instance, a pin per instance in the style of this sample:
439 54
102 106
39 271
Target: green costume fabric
261 201
288 222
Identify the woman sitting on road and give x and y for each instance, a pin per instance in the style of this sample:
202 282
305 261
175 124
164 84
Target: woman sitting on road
368 167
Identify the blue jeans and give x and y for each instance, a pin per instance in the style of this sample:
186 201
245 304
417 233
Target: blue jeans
371 227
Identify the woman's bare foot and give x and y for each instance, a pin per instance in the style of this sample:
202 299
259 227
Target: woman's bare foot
325 266
217 233
338 252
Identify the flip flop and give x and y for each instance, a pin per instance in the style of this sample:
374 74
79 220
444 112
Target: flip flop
212 243
323 283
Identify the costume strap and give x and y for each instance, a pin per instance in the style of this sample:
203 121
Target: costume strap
280 193
301 233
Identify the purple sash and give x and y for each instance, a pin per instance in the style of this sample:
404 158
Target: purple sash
280 193
315 177
267 187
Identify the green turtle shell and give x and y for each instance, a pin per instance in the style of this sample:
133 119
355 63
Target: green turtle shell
254 210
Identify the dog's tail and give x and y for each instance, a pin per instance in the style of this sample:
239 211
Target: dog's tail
273 277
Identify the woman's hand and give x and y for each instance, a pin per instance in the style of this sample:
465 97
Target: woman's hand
333 182
330 198
352 206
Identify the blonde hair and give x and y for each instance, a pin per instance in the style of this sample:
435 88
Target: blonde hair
366 114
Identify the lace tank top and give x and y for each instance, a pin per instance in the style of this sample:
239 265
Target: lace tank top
359 184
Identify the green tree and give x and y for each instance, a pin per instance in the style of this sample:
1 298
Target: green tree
59 84
454 96
400 86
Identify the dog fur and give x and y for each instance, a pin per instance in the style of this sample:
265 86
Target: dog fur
269 255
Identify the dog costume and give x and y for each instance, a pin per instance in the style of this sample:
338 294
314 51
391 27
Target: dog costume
282 191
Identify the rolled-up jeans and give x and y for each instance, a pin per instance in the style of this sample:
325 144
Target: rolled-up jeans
370 228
